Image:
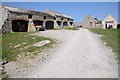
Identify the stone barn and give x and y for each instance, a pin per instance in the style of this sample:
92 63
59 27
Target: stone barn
91 22
109 22
61 20
23 20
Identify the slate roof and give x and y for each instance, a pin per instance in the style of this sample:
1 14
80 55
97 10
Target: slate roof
21 10
53 13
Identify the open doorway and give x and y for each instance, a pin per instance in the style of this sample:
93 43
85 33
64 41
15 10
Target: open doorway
19 25
65 24
49 25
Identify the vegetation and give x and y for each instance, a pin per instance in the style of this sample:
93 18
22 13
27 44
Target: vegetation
20 43
3 74
56 28
110 36
71 28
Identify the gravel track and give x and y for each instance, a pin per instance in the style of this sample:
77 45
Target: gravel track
79 54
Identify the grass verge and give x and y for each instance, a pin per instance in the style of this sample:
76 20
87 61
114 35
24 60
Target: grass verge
20 43
71 28
110 36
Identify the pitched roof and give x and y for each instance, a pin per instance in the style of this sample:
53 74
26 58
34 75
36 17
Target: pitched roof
53 13
21 10
109 18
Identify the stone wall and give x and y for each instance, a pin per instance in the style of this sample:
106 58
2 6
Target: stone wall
18 16
5 21
98 26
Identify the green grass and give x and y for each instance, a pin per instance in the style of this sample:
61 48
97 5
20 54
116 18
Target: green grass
0 47
71 28
3 74
110 36
23 42
56 29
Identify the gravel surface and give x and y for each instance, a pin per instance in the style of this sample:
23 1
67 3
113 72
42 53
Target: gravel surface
78 54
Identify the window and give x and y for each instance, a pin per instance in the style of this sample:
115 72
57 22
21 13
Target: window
62 19
68 19
29 16
44 17
54 18
90 23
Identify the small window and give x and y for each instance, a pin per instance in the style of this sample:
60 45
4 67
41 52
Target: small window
30 16
54 18
44 17
62 19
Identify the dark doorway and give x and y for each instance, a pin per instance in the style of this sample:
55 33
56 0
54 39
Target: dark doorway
49 25
38 23
105 26
118 26
19 25
59 23
91 24
65 24
71 23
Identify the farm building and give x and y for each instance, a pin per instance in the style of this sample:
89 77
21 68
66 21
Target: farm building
62 20
109 22
89 22
23 20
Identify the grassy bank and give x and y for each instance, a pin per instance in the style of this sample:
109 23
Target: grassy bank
110 36
20 43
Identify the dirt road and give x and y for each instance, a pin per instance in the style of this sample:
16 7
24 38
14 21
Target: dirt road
80 54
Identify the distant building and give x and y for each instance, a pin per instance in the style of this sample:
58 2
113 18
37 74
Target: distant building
109 22
90 22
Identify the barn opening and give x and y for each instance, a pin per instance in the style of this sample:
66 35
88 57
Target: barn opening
71 23
49 25
109 24
118 26
19 25
65 24
59 23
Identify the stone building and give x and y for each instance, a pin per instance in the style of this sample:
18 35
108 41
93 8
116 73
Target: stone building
90 22
22 20
61 20
109 22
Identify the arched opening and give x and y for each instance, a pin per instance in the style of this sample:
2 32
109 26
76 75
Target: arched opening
71 23
118 26
19 25
65 24
49 25
59 23
38 24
